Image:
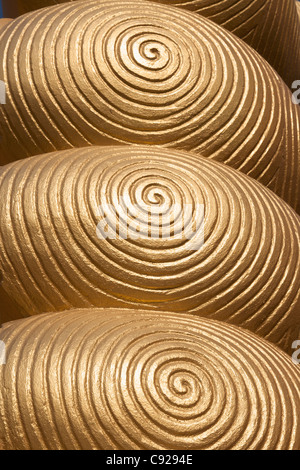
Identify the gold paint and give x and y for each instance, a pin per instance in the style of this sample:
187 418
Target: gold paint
117 379
51 258
91 73
153 75
269 26
4 22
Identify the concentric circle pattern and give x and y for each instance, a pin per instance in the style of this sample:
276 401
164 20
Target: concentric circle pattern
270 26
91 73
115 379
144 227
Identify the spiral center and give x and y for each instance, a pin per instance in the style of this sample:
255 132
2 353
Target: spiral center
154 196
150 53
185 385
181 387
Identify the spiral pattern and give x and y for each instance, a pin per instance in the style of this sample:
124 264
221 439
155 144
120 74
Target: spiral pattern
90 73
269 27
106 227
115 379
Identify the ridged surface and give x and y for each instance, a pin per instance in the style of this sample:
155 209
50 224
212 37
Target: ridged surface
51 258
4 22
111 379
268 26
87 73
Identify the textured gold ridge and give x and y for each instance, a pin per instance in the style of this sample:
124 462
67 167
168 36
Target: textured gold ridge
269 26
116 379
247 272
90 73
123 335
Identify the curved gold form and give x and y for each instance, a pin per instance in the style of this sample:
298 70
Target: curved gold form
4 22
115 379
56 253
270 26
90 73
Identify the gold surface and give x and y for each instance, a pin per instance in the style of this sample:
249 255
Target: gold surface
4 22
269 26
87 73
106 367
51 258
111 379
